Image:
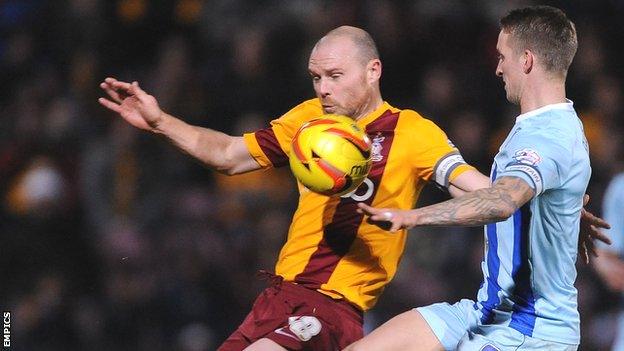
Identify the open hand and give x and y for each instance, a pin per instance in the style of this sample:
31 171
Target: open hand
131 103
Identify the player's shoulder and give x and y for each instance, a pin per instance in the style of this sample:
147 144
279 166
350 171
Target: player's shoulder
302 112
550 133
312 106
409 114
417 122
554 124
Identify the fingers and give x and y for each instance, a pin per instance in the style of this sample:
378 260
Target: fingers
585 200
592 219
381 217
140 94
590 248
597 234
115 89
599 222
110 105
396 226
117 84
113 85
367 210
583 253
112 93
134 88
378 214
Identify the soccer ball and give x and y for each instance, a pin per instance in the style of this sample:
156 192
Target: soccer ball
330 155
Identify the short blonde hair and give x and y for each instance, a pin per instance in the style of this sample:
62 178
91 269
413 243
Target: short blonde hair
546 31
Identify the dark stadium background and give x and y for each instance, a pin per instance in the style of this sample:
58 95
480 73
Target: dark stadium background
112 240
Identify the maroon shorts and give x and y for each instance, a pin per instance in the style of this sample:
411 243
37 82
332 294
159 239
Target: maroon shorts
298 318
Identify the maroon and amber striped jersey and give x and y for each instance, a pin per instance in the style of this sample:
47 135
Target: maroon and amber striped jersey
329 247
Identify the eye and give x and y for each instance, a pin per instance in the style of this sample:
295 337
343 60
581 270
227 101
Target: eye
336 75
316 78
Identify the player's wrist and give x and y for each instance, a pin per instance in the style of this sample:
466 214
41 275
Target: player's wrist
161 124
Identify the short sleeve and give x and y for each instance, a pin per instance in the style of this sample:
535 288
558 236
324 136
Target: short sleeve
538 159
270 146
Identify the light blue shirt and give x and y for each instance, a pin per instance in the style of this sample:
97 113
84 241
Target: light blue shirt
529 264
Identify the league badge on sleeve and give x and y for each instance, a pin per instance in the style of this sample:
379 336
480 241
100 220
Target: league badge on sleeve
527 157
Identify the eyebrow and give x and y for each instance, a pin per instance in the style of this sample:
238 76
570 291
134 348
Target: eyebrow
328 71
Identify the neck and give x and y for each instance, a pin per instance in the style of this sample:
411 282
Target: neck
542 93
372 103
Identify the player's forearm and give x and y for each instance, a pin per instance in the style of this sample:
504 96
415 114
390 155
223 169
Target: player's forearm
467 182
455 191
476 208
206 145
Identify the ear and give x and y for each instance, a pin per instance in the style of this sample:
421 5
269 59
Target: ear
373 70
529 60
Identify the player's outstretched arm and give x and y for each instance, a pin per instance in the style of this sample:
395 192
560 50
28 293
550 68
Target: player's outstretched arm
591 225
479 207
219 151
467 182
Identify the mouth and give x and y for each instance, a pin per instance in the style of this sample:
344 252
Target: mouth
329 108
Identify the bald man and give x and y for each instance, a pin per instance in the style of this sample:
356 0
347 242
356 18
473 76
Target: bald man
333 266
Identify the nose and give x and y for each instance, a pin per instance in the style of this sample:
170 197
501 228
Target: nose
323 88
499 70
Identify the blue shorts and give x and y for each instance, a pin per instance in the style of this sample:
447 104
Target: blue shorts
458 327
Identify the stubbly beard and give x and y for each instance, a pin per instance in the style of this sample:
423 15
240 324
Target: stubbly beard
514 99
354 102
339 110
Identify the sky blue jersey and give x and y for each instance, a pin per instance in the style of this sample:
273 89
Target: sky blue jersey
529 265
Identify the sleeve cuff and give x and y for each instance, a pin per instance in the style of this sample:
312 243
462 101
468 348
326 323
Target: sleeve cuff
255 150
529 173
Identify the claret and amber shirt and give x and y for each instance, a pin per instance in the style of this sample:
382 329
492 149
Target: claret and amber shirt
330 247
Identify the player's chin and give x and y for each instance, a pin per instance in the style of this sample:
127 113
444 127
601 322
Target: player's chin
512 98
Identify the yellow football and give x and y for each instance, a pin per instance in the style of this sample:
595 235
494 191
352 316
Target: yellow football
330 155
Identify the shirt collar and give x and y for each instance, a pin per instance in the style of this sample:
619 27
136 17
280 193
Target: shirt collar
568 105
373 115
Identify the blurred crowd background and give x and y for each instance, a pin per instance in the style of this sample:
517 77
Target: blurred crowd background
110 239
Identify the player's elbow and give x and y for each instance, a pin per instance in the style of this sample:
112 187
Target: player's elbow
230 171
233 163
226 171
228 166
